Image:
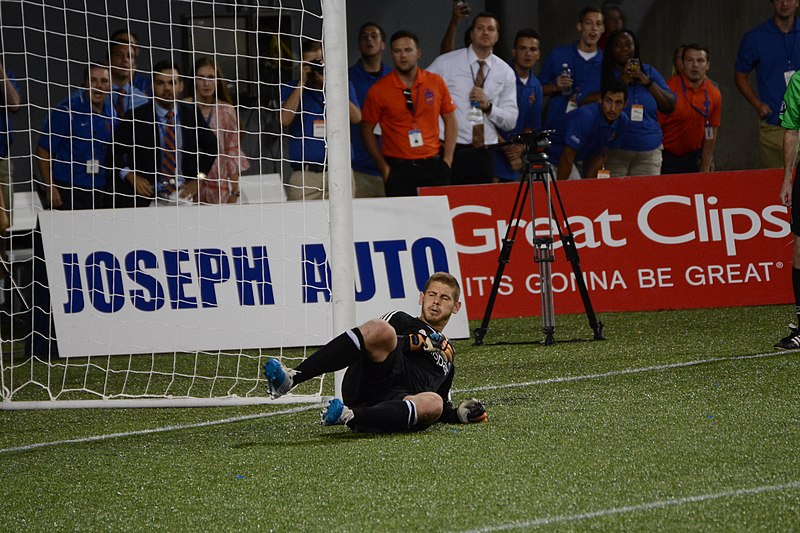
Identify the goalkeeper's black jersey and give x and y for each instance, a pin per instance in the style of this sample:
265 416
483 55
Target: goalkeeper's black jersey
426 371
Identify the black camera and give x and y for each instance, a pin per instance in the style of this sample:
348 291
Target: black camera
317 67
538 139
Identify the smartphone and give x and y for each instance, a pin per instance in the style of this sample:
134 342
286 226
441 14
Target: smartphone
462 6
633 63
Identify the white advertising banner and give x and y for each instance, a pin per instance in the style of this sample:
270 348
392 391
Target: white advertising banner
233 277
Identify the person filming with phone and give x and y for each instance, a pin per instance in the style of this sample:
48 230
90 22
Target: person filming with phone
640 150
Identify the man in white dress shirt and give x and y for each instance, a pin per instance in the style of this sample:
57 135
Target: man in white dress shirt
483 87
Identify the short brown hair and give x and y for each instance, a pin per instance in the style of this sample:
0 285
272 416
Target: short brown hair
445 278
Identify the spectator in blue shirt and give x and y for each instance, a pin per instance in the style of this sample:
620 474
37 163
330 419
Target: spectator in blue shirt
9 103
363 75
584 60
640 151
125 95
303 115
772 49
591 131
527 48
76 138
140 80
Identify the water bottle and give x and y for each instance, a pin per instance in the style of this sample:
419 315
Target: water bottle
565 71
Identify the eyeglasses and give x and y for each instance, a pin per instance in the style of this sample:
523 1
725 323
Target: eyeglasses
409 101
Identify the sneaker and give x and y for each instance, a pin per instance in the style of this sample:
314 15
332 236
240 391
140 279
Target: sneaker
336 412
791 341
279 378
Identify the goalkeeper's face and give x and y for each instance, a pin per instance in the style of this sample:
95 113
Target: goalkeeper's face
438 304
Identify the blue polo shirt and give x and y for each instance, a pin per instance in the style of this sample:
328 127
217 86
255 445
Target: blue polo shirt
361 80
529 103
770 52
74 136
134 97
588 133
5 122
644 135
143 82
303 146
585 80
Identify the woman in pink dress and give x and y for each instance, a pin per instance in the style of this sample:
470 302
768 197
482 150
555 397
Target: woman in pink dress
211 95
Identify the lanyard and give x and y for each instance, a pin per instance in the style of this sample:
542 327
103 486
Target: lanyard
413 108
707 114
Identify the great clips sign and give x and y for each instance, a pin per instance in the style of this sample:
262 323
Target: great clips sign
233 277
663 242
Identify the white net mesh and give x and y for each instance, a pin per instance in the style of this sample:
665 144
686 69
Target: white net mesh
177 302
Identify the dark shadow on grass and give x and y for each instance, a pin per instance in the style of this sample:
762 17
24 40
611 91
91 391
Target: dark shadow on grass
534 343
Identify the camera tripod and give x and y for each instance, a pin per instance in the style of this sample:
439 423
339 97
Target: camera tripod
538 169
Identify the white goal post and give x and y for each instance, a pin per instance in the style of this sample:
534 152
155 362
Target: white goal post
193 259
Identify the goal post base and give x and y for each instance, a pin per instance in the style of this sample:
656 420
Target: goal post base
132 403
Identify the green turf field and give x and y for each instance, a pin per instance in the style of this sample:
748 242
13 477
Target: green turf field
682 420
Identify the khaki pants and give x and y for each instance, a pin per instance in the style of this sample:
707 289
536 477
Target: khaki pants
368 186
308 185
6 187
631 163
770 145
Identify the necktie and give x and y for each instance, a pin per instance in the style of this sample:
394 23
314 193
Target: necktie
119 107
168 154
477 128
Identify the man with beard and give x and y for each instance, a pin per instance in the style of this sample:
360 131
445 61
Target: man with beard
162 148
407 103
690 132
399 368
591 131
772 49
483 87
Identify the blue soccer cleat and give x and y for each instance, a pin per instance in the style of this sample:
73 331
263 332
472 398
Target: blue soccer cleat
279 378
335 413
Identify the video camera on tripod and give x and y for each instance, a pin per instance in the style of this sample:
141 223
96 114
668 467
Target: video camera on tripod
538 169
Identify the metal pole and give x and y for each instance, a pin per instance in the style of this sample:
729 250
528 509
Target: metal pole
337 131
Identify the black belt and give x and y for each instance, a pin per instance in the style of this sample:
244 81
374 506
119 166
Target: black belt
460 147
309 167
413 162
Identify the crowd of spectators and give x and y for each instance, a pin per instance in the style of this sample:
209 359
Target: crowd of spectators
132 138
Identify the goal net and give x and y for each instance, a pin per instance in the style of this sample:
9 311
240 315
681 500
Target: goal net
174 266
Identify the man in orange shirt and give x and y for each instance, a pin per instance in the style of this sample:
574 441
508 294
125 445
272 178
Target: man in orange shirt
690 132
407 103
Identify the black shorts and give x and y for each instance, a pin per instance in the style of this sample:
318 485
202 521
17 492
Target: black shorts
368 383
400 375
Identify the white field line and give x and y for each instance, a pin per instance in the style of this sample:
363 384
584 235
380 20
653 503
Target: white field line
613 373
163 429
660 504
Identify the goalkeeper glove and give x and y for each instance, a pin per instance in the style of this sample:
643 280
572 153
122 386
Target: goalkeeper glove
471 411
433 343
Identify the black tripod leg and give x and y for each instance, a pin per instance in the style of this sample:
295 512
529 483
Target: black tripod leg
571 251
505 253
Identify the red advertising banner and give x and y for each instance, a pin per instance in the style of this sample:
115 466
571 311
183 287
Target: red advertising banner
645 243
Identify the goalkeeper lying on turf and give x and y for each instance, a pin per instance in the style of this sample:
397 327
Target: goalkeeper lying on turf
399 369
